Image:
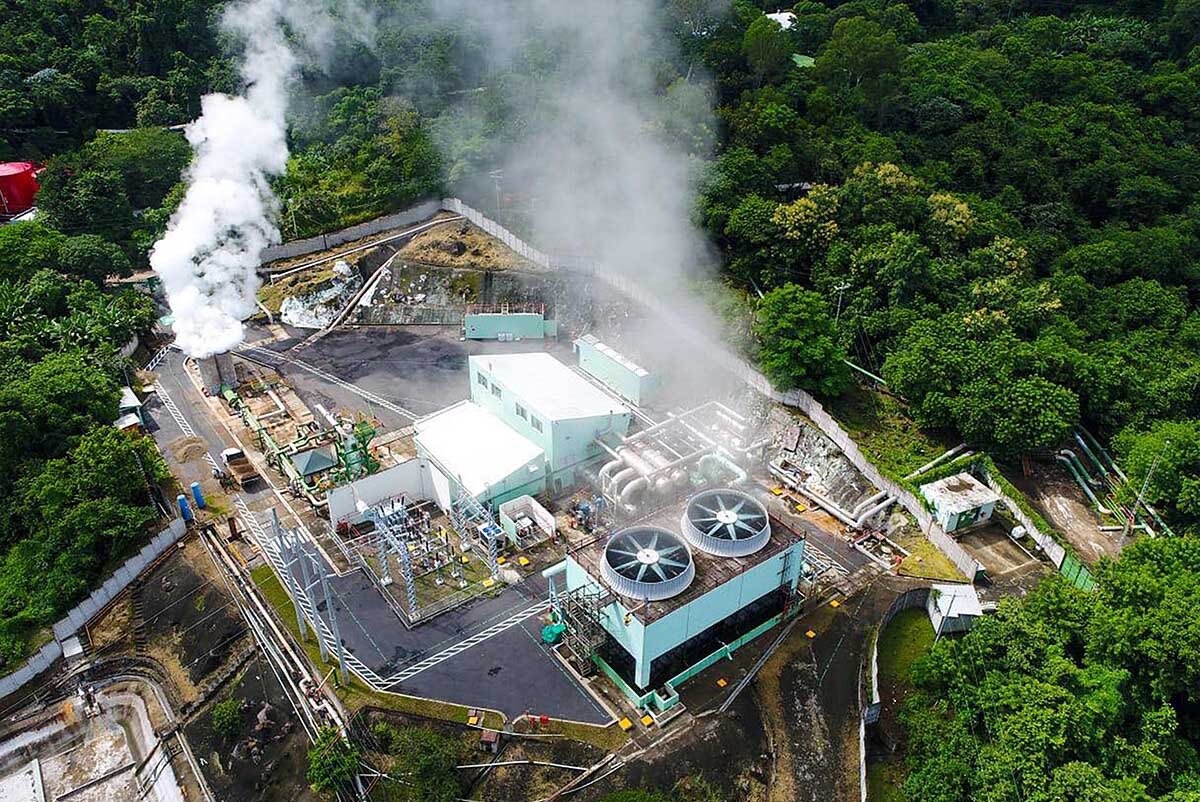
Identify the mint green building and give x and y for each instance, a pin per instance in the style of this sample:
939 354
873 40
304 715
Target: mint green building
508 326
649 646
551 406
616 372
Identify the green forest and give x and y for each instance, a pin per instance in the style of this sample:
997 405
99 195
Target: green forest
990 205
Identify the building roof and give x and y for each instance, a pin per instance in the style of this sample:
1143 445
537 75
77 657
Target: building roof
129 399
786 19
314 461
959 493
478 449
549 387
24 784
955 600
128 421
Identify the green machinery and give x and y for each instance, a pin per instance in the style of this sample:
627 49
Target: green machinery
350 440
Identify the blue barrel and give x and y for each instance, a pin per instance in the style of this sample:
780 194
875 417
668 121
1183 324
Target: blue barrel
198 495
184 509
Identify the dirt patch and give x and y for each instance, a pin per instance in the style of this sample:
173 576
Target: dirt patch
264 764
113 633
191 626
461 245
187 449
1060 500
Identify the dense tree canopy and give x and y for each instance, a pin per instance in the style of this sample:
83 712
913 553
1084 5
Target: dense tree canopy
1069 694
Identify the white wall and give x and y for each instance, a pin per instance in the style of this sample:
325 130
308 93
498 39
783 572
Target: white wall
410 477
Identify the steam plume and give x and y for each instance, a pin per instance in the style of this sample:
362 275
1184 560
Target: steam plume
207 258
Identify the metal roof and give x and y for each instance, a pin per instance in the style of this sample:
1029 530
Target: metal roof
477 449
955 600
548 387
314 461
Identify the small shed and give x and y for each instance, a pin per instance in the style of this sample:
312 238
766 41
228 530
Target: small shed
960 501
312 462
953 608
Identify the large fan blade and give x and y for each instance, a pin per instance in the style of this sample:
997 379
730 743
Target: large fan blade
705 518
743 525
658 570
732 531
706 509
642 571
673 563
740 504
615 550
713 532
629 564
668 550
653 541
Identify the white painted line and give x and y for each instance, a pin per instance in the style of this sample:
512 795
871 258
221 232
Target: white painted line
474 640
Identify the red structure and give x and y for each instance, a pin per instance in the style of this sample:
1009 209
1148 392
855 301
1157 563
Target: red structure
18 187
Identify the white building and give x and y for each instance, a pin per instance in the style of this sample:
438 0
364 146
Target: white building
960 501
953 608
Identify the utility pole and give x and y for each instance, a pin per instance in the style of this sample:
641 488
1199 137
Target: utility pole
1137 502
842 287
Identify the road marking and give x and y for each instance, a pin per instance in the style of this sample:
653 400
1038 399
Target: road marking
460 647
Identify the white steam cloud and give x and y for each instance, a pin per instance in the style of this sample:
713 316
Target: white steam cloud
611 139
207 258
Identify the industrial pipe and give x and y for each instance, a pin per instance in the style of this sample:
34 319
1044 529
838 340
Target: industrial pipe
862 505
1069 458
1095 460
936 461
883 505
636 487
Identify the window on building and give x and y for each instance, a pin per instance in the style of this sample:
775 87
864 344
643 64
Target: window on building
521 412
496 390
482 379
536 424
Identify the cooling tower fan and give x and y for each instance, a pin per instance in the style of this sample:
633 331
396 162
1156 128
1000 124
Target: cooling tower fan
726 522
648 563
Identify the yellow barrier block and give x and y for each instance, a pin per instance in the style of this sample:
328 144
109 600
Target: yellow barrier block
501 560
472 720
835 604
487 583
625 724
721 683
522 561
810 634
647 720
801 508
465 559
777 491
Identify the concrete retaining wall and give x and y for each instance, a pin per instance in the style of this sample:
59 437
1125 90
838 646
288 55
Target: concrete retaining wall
83 612
321 242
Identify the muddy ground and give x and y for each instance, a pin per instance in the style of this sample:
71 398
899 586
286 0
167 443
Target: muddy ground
191 627
1056 495
261 765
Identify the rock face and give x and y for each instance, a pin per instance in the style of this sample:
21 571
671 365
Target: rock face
317 309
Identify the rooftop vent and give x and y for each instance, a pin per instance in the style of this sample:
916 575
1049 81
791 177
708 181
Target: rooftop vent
648 563
727 523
